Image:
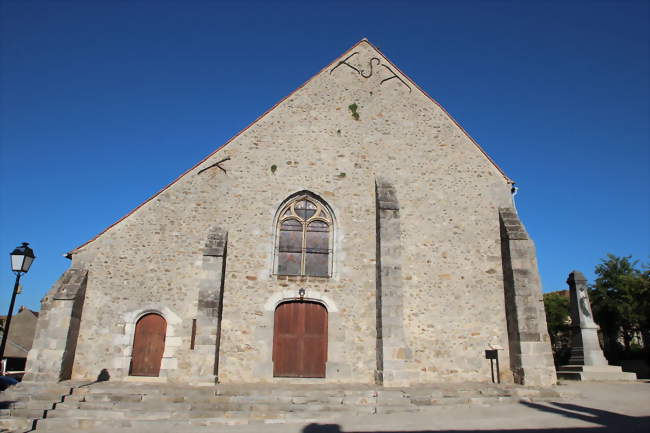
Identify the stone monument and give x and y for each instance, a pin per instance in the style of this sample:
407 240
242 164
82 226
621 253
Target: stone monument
587 361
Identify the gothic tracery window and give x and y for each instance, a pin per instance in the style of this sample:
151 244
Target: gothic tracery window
304 237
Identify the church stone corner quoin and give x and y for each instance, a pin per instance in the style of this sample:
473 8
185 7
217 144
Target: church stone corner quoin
355 221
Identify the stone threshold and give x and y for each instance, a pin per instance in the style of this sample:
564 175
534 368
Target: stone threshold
144 379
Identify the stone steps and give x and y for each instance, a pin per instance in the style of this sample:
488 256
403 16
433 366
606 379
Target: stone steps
121 407
137 398
161 412
594 372
26 402
595 375
222 390
61 425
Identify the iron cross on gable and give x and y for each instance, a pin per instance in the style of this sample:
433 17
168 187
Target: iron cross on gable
216 164
374 61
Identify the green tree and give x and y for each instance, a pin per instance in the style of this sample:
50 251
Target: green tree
641 289
556 305
619 300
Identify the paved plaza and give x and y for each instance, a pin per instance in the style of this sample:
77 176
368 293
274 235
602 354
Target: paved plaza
596 407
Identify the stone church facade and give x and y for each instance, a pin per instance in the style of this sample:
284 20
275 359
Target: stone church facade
354 233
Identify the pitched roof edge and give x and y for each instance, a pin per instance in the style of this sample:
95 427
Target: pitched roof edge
77 249
443 110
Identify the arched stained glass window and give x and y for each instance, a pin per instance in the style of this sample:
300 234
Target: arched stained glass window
304 238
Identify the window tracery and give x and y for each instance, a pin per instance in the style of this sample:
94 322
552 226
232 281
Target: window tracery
304 238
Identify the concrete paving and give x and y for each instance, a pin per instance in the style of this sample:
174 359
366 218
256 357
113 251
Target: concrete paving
587 407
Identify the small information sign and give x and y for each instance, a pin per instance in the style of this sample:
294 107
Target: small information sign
493 355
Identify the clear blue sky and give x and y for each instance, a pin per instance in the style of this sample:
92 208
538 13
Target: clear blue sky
105 102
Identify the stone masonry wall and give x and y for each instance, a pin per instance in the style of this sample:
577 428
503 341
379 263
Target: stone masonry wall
351 123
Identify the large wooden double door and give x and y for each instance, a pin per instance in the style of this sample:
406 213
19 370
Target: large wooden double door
300 340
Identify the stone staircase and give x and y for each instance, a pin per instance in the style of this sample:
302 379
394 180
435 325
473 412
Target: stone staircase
593 372
22 404
145 407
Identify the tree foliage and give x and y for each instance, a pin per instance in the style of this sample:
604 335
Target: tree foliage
556 305
620 301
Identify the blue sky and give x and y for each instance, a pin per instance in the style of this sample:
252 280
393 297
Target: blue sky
104 103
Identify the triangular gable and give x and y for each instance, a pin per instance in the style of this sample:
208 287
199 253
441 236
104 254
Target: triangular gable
337 62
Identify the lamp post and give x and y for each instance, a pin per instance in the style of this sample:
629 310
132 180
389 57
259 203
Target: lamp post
21 259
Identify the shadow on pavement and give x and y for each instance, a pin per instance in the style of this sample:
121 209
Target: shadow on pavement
609 422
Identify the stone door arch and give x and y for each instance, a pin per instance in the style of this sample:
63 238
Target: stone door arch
148 345
300 339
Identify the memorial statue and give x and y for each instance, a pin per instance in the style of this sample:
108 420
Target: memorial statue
587 361
585 348
586 318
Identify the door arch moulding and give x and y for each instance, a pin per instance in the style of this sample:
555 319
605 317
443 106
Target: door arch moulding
120 364
280 297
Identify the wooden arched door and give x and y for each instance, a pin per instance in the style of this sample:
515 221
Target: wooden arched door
300 340
148 345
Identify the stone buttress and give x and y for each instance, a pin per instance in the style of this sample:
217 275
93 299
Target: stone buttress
531 359
55 342
392 352
206 327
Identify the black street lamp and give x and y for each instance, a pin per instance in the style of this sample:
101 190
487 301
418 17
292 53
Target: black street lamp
21 259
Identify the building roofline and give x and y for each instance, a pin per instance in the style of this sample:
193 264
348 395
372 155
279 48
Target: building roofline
444 111
77 249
